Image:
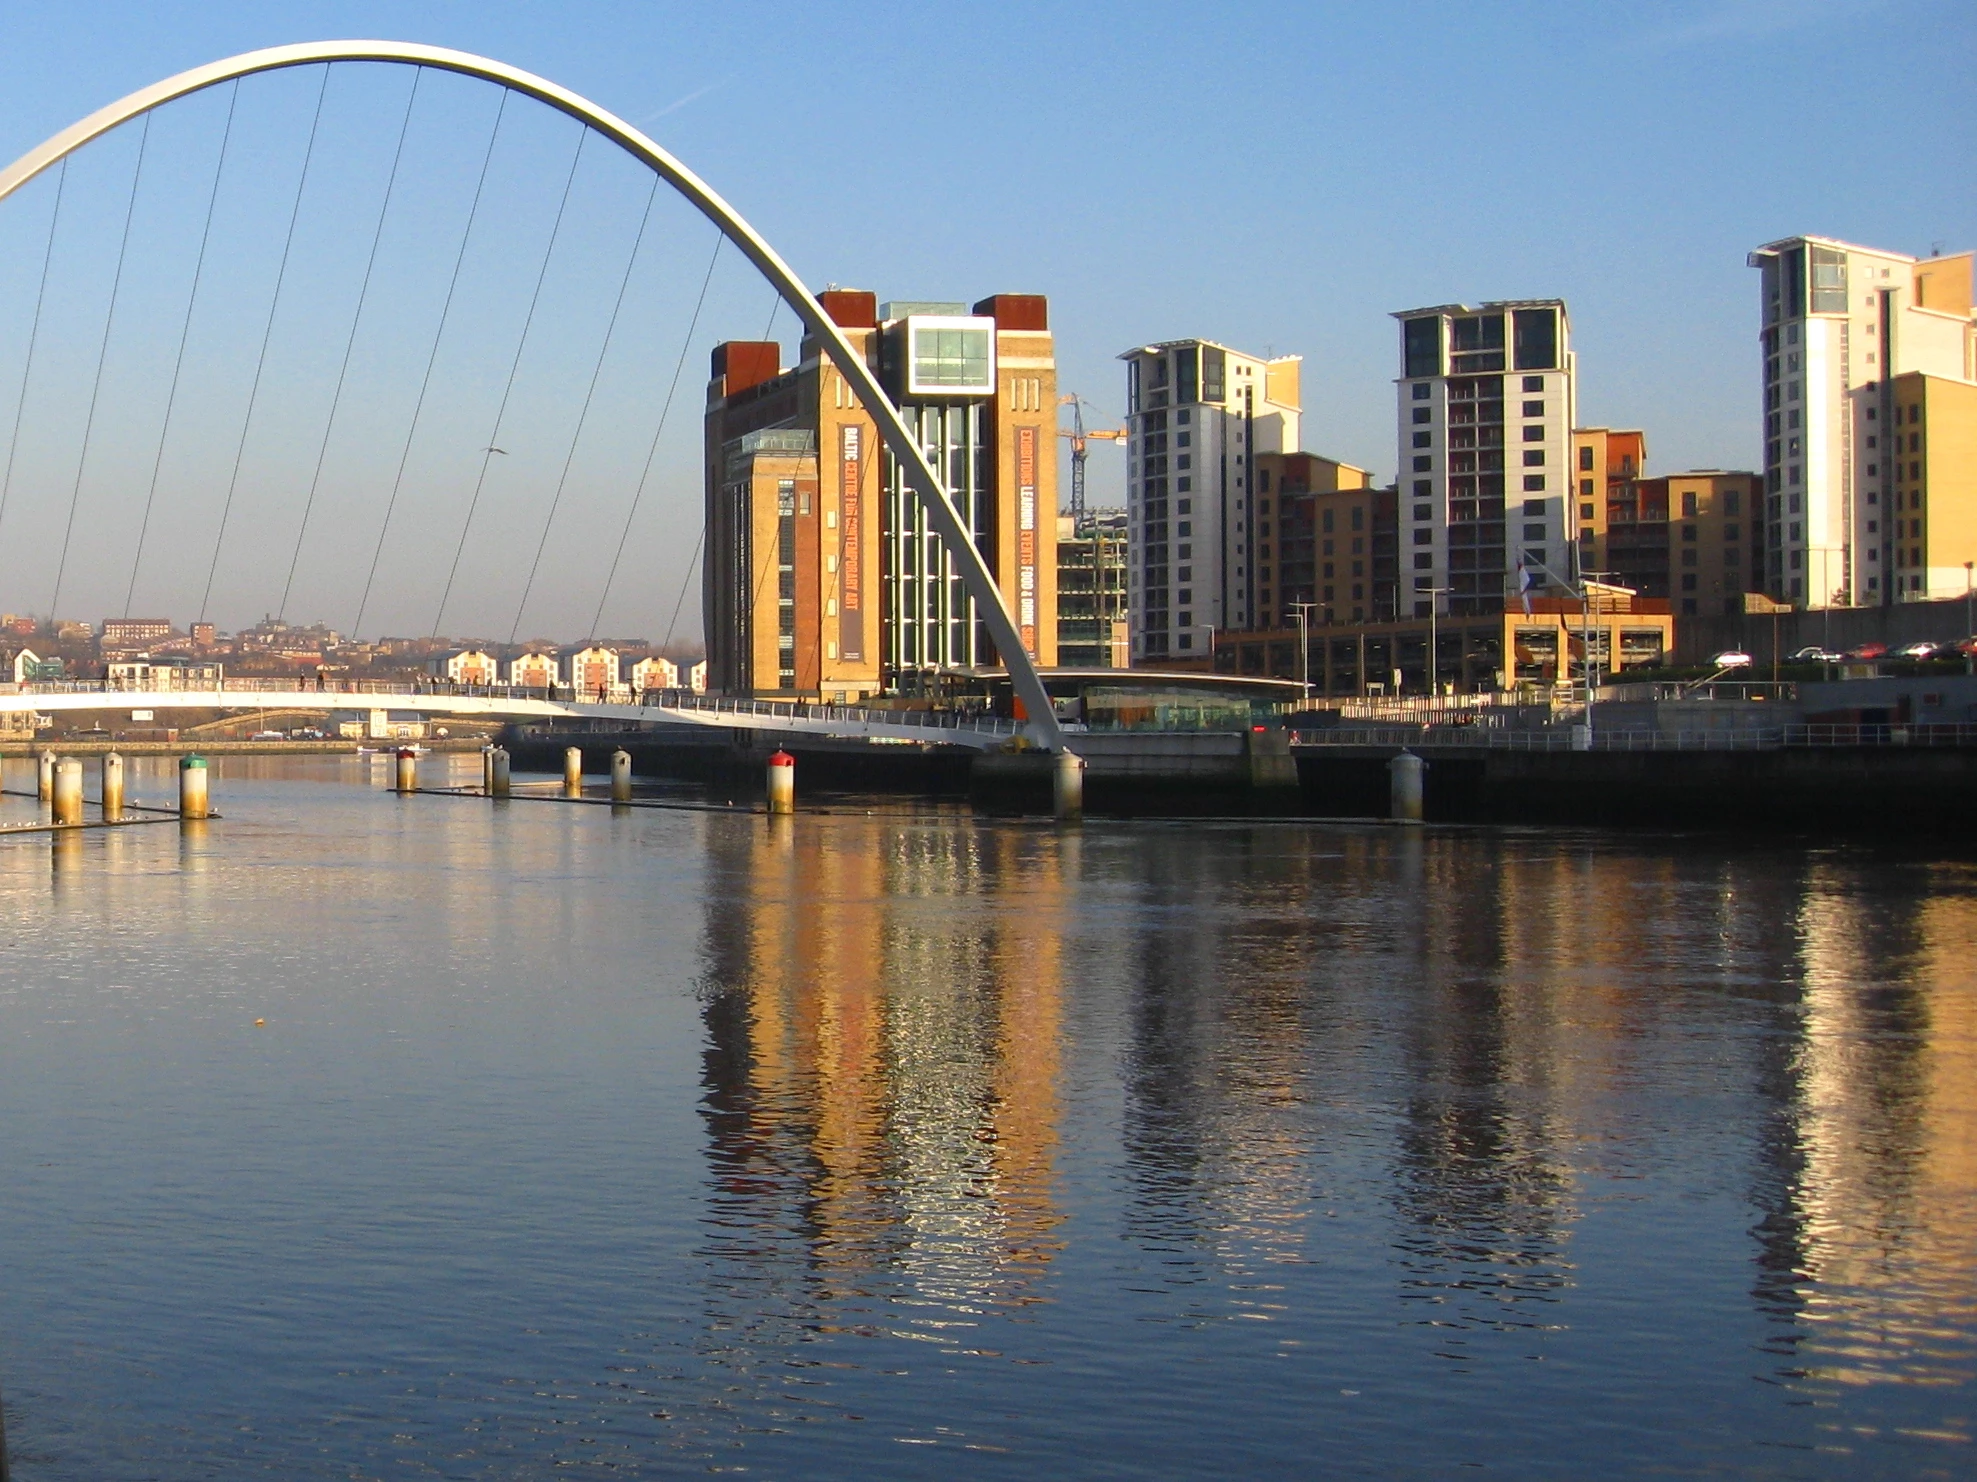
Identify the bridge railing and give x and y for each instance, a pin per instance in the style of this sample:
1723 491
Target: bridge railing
381 691
1766 738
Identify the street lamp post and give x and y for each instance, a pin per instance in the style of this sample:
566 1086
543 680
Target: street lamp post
1433 665
1303 611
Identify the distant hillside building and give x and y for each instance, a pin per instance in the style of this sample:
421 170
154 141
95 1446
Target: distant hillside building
127 633
591 670
468 666
655 672
534 671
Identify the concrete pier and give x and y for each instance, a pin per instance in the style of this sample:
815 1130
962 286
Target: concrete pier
66 798
499 783
408 770
1404 781
192 791
572 772
621 776
113 786
1067 786
45 786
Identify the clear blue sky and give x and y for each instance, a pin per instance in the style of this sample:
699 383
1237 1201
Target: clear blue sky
1278 177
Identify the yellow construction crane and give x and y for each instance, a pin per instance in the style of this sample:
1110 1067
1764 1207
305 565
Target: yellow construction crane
1080 436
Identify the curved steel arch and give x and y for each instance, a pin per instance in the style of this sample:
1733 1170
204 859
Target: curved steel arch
926 487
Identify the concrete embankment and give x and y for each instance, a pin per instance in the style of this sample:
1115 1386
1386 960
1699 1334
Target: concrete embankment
1884 790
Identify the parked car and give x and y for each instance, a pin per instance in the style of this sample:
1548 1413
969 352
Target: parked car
1867 652
269 736
1732 659
1923 650
1817 655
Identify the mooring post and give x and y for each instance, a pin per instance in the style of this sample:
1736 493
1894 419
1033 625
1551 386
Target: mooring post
1404 786
487 770
499 785
113 787
408 769
1067 785
621 776
782 782
192 795
45 787
572 772
67 797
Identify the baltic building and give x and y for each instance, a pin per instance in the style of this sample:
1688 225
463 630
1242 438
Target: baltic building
822 576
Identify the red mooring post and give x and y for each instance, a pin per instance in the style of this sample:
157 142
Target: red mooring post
782 783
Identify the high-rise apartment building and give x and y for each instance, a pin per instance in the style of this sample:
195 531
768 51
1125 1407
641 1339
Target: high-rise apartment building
1322 543
828 581
1839 324
1486 400
1199 413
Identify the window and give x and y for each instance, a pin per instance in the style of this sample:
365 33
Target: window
1358 514
1184 595
1689 533
1423 511
951 356
1586 512
1422 465
1534 383
1422 486
1187 574
1187 621
1534 409
1585 460
1424 536
1187 529
1735 532
1421 349
1534 457
1423 440
1182 486
1534 434
1535 332
1534 506
1689 558
1534 481
1534 532
1688 581
1422 414
1185 506
1733 502
1183 417
1183 439
1421 393
1424 561
1328 531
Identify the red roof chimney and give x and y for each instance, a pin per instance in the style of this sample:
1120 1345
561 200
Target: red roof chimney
851 308
1020 311
746 363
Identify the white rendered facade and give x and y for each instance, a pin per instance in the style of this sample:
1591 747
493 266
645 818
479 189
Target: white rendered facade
1485 404
1837 321
1198 414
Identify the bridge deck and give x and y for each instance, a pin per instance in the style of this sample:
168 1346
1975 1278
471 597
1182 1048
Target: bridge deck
980 733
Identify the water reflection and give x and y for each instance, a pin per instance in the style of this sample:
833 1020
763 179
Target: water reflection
881 1073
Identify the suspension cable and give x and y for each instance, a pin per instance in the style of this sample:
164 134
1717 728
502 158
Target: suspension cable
267 334
514 367
102 356
700 540
638 494
185 333
350 341
583 416
438 334
33 338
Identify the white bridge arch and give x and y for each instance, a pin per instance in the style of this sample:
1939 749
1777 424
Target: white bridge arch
940 511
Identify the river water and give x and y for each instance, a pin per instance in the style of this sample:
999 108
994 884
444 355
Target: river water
906 1144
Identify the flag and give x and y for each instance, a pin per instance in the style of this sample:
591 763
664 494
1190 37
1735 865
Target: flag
1524 585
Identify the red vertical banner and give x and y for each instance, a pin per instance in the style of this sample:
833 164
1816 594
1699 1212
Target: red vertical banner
851 614
1026 537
